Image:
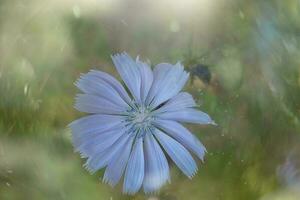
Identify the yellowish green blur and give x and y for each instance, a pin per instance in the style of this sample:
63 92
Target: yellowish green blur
244 59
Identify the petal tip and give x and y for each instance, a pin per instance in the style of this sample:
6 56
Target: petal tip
213 123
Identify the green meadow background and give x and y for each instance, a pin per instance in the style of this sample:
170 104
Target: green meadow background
244 57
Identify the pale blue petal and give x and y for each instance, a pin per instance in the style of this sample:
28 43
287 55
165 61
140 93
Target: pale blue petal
129 72
146 79
103 85
168 81
181 157
159 73
113 83
188 115
156 165
95 104
116 166
85 127
134 174
100 159
180 101
182 135
97 142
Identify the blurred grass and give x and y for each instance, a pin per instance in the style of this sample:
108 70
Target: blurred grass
251 50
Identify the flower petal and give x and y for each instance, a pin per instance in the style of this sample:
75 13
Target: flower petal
182 135
116 166
129 71
100 159
156 165
146 79
180 101
83 128
90 83
134 174
188 115
178 154
99 142
95 104
114 83
160 72
168 81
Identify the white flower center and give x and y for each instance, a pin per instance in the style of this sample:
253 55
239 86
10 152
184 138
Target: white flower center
140 118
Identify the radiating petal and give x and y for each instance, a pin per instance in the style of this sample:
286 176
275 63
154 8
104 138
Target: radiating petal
129 71
168 81
103 85
97 142
85 127
146 79
181 157
159 73
188 115
180 101
182 135
134 174
113 83
100 159
94 104
116 166
156 165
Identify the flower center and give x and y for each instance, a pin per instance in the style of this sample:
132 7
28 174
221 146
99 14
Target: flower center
140 118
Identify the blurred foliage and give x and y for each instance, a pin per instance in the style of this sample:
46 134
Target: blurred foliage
244 60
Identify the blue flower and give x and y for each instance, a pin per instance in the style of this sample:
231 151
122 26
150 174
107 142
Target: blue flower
129 133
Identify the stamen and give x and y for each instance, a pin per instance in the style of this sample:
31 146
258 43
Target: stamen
140 118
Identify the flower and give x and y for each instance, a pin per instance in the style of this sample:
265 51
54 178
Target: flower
129 133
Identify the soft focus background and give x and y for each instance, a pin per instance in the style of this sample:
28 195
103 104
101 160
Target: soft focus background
244 58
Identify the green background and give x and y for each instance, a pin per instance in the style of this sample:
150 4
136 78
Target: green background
251 48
